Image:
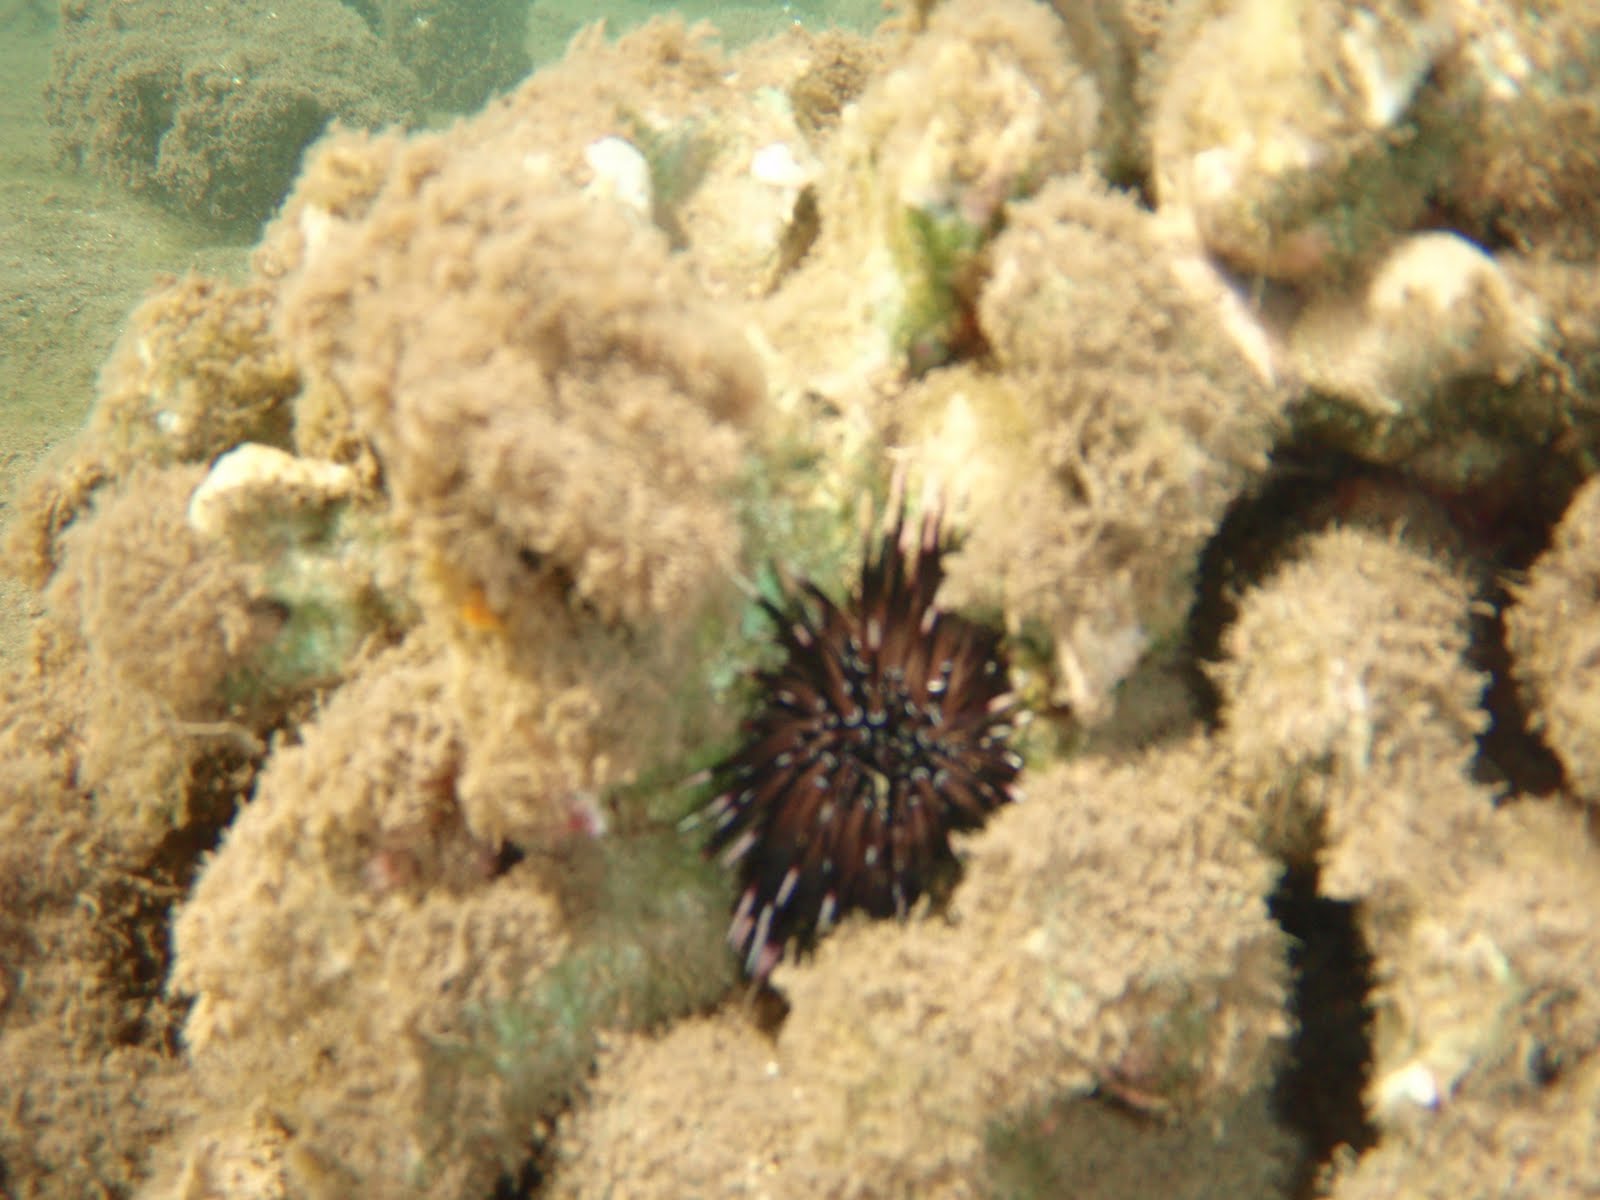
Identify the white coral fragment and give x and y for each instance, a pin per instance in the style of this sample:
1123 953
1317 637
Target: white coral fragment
256 483
621 173
775 164
1411 1085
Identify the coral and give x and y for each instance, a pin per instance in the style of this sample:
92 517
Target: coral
210 110
385 922
1351 711
414 960
1076 956
982 107
1429 364
197 371
1306 154
1092 466
1485 1016
1553 632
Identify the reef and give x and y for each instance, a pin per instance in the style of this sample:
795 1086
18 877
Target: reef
209 110
398 607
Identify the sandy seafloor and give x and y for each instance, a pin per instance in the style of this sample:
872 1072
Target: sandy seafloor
76 253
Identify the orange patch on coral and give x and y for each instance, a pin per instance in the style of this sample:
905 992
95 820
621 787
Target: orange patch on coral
476 613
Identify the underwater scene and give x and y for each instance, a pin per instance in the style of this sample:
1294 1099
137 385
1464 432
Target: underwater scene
858 598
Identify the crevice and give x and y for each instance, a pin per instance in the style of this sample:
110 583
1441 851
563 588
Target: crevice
527 1180
1318 1092
144 901
1512 758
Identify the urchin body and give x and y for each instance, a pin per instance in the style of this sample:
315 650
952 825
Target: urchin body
884 729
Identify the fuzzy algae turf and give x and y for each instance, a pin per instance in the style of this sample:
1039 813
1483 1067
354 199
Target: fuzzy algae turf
391 597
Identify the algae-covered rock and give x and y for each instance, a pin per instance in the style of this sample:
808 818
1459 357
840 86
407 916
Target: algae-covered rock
1474 997
560 424
1527 76
1420 366
353 937
97 801
1082 952
1308 151
1541 1144
350 922
1485 1018
509 403
394 595
167 624
210 108
1351 710
984 106
1554 635
460 52
1093 461
197 371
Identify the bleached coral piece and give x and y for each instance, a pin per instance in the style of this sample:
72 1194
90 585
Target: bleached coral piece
621 173
254 484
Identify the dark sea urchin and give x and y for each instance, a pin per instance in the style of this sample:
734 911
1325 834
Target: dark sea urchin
884 729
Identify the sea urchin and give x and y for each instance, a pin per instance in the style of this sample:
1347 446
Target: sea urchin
884 729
